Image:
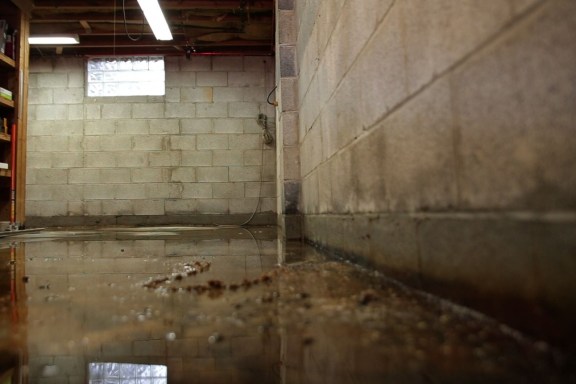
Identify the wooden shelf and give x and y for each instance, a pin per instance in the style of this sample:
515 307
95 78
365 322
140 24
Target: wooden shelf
6 103
7 62
14 77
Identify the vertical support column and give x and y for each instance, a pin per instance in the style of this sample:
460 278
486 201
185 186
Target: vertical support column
288 152
22 117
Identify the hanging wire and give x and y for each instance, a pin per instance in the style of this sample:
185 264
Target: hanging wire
259 187
274 103
126 24
267 138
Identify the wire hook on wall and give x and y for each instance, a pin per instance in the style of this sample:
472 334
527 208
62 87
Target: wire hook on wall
274 103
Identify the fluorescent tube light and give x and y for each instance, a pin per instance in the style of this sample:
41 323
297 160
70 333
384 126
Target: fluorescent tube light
156 19
54 40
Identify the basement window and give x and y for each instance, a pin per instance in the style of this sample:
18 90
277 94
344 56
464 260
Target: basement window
124 373
126 76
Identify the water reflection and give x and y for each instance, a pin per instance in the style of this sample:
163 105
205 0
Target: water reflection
215 306
84 300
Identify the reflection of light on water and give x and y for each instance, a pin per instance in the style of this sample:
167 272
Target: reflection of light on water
112 373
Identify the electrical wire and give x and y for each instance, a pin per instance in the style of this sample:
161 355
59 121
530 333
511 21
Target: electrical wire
257 247
274 103
261 117
126 24
259 187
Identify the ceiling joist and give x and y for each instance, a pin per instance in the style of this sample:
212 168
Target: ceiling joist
212 26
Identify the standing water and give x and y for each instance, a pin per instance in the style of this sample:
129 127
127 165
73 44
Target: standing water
232 305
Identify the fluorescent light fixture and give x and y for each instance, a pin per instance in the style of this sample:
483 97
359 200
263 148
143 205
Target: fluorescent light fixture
54 40
156 19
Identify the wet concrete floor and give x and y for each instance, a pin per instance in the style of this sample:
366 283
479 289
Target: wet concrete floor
232 305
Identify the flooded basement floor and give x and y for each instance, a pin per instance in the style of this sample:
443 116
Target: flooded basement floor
232 305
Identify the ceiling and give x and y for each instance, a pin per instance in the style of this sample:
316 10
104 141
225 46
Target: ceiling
118 27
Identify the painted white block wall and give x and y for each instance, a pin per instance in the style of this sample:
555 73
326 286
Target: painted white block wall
195 151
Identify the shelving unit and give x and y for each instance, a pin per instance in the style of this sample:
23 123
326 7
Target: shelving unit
5 139
14 77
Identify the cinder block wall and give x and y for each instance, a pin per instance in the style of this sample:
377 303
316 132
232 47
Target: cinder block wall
438 142
191 156
288 178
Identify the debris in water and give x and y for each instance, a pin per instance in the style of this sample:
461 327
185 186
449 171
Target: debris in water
216 284
268 298
200 288
233 287
155 283
303 295
307 341
215 338
367 296
266 279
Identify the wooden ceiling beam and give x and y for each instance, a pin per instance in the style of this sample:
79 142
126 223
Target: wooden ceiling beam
211 26
25 5
138 18
47 5
78 28
262 50
150 41
86 25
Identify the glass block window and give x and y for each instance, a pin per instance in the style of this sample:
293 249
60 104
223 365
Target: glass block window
119 373
126 76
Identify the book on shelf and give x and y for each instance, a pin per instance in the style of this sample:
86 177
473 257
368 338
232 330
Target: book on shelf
3 35
3 165
6 94
9 47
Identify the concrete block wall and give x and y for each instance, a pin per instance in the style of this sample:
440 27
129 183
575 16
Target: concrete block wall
437 142
194 155
288 150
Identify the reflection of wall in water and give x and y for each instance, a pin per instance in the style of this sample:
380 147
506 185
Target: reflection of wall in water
96 297
12 313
